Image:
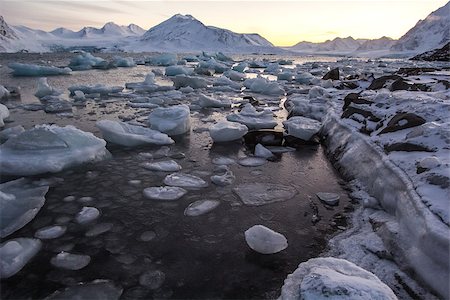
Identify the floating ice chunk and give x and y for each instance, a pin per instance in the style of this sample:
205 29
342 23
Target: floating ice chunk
225 131
4 93
304 78
147 236
263 86
226 82
164 59
235 75
50 149
167 193
130 135
262 151
87 214
254 119
4 114
256 194
314 108
226 178
288 76
264 240
178 70
333 278
20 201
173 120
126 62
185 180
223 161
79 96
15 254
194 82
252 161
50 232
152 279
240 67
36 70
44 89
211 64
200 207
99 229
429 162
8 133
163 166
205 101
301 127
329 198
69 261
95 89
96 290
318 92
86 61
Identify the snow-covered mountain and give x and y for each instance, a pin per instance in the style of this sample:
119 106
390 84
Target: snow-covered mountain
110 29
186 33
431 33
377 44
19 38
337 45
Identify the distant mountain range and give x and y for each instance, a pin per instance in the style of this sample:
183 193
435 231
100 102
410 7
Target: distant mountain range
184 33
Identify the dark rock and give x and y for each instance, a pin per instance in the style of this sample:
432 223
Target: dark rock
415 71
445 83
295 142
265 137
402 85
412 120
332 74
252 100
380 82
439 180
407 147
366 114
442 54
354 98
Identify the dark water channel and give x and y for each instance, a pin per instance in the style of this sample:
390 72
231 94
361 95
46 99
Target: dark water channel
202 257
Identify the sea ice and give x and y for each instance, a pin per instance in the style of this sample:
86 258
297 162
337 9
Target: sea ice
304 78
194 82
19 203
96 290
205 101
261 151
200 207
227 178
178 70
130 135
240 67
223 81
333 278
36 70
225 131
164 59
4 114
10 132
254 119
15 254
86 61
44 89
50 232
251 161
329 198
69 261
263 86
152 279
185 181
235 75
168 193
264 240
256 194
301 127
87 214
95 89
163 166
125 62
48 148
173 120
221 160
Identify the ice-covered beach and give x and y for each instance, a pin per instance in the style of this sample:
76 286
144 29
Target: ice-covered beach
162 199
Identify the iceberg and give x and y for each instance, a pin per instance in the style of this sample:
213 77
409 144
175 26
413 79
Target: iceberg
178 70
194 82
165 59
44 89
4 114
15 254
20 201
264 240
20 69
258 193
69 261
333 278
263 86
124 62
185 181
173 120
167 193
86 61
128 135
301 127
50 148
200 207
254 119
96 290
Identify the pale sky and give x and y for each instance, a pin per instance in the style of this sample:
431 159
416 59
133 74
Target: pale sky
283 23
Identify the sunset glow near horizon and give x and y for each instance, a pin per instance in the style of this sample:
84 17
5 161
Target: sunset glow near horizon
284 23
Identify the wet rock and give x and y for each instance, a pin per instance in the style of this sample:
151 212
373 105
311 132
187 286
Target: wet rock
439 180
402 85
332 74
380 82
365 113
415 71
354 98
442 54
408 147
402 121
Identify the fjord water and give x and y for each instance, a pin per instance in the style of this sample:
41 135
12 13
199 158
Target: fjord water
201 257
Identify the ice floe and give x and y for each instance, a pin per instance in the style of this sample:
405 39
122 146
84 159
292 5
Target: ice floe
163 166
10 132
328 198
252 161
131 135
178 70
20 201
301 127
87 214
200 207
44 89
86 61
50 232
4 114
258 193
20 69
15 254
333 278
225 178
205 101
165 193
194 82
164 59
69 261
173 120
254 119
263 86
185 181
95 89
264 240
225 131
50 148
